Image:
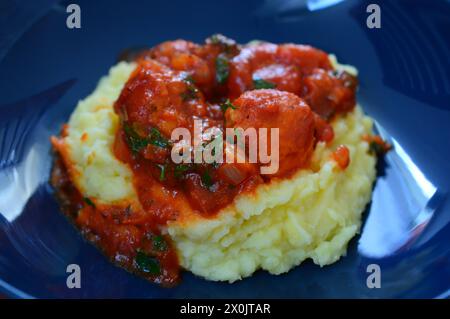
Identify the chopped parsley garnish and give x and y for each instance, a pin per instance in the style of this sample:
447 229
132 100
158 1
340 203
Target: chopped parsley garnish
190 93
147 264
222 69
135 142
162 174
159 243
227 105
191 90
206 180
262 84
180 169
188 78
88 201
157 139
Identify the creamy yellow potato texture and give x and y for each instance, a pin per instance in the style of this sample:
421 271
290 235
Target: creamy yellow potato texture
313 215
91 132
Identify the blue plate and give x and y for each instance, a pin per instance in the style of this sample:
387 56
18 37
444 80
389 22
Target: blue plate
45 68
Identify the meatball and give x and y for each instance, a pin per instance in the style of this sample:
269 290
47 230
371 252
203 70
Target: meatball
154 102
268 108
183 55
278 66
329 92
199 61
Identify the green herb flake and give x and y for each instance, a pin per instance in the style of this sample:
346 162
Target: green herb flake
259 84
206 180
162 174
190 93
222 69
147 264
227 105
88 201
159 243
135 142
215 165
157 139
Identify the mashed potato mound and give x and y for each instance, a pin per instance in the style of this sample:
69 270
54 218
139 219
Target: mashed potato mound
313 214
95 170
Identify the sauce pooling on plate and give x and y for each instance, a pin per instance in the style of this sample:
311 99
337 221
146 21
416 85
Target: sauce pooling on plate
225 85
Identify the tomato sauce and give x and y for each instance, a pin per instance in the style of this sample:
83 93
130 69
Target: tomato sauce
342 156
122 235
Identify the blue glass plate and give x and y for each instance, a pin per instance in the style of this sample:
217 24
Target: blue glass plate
45 68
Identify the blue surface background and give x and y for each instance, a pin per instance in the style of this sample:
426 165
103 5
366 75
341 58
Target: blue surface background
45 68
